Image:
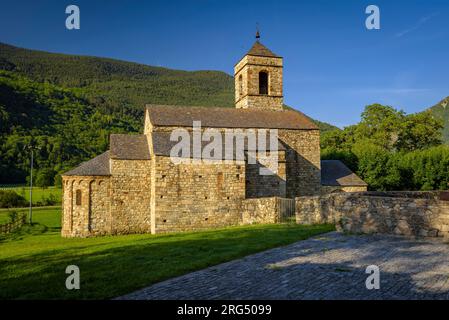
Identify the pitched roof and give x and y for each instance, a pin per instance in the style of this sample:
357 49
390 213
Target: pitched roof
129 147
98 166
162 145
259 49
335 173
178 116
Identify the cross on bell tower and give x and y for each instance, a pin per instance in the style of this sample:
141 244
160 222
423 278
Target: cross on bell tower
257 32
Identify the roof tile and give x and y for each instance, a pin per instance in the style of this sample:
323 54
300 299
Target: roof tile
98 166
259 49
129 147
215 117
336 173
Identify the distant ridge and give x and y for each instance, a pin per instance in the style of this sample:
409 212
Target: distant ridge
123 87
441 111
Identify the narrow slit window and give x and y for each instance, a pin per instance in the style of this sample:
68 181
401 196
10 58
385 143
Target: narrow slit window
78 197
263 82
240 86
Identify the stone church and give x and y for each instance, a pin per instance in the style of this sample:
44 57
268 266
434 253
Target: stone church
135 187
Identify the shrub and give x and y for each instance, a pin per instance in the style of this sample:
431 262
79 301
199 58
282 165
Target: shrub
10 199
13 216
51 200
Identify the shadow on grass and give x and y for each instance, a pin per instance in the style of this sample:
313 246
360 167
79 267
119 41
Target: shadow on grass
118 265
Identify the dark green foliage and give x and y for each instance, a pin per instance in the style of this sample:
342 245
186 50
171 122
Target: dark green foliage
64 128
391 150
119 86
10 199
428 169
325 127
45 178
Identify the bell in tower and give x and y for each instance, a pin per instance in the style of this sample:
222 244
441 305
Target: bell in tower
258 79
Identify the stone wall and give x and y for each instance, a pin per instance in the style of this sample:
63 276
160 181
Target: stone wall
262 210
247 91
259 186
100 210
267 210
91 215
131 196
303 163
195 196
302 160
408 213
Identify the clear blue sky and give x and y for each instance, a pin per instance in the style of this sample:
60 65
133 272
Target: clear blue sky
334 66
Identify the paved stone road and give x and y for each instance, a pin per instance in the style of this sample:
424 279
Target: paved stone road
330 266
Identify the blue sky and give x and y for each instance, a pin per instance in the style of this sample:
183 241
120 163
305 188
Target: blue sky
333 65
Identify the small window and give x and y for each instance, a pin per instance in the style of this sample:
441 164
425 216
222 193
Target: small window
78 197
240 86
263 82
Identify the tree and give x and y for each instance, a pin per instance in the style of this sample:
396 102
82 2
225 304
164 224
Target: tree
419 131
45 178
381 125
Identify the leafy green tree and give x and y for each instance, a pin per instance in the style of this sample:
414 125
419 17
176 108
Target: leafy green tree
381 125
419 131
391 150
378 167
45 178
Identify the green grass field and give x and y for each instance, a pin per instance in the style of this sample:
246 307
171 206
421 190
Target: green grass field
33 261
38 193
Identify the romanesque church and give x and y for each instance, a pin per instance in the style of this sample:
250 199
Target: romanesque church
135 187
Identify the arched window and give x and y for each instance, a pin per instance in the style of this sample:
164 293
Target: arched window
78 197
240 86
263 82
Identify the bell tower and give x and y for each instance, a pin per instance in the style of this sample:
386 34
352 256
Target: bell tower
258 79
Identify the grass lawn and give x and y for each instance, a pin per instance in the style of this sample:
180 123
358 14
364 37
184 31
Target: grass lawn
38 193
33 261
41 215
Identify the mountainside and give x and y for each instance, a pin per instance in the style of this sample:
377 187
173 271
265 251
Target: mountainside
67 105
121 87
441 110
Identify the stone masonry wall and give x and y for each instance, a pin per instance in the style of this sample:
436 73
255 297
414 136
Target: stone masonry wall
261 210
273 185
131 196
366 213
303 163
268 210
100 207
247 91
92 215
197 195
302 160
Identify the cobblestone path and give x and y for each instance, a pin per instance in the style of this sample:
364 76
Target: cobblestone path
330 266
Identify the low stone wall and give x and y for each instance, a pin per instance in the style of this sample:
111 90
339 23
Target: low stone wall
267 210
403 213
259 210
